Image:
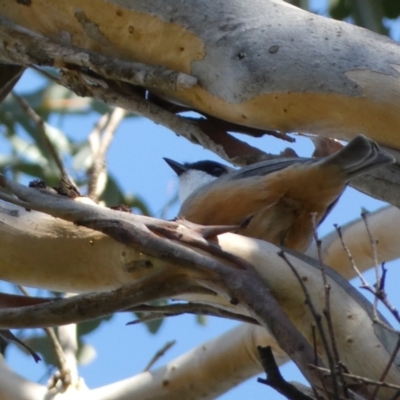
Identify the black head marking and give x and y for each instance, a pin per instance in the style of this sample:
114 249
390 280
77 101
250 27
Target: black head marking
210 167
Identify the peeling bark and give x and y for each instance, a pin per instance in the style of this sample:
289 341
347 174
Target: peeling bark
253 67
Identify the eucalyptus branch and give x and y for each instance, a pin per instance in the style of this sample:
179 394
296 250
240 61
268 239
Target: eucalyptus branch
29 47
93 305
160 353
337 367
106 91
63 369
100 145
361 379
275 379
41 127
386 370
242 285
172 310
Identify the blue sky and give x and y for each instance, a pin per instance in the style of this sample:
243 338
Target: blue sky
135 159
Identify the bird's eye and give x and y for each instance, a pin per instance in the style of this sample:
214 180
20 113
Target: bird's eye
217 171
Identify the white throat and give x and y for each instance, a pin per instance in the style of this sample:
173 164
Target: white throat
190 181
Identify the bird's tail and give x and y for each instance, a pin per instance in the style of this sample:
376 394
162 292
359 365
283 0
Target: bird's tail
360 155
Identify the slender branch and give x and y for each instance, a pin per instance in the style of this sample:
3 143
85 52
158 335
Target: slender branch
94 305
386 370
8 335
64 371
379 293
64 375
212 274
98 168
336 368
108 92
41 127
172 310
68 339
349 256
274 377
28 47
361 379
160 353
374 251
316 316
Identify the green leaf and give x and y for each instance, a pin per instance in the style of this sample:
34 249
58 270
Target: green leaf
340 9
391 8
154 326
41 344
86 353
113 196
202 319
87 327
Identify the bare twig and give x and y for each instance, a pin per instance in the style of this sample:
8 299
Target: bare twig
396 395
8 335
314 341
386 370
160 353
171 310
364 283
361 379
41 127
64 372
28 47
374 251
274 377
196 239
212 275
94 305
68 338
108 92
379 292
327 313
316 316
100 148
350 256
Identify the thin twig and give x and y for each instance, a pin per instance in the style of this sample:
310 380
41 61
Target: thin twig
8 335
358 378
387 368
350 256
316 316
41 127
125 98
160 353
327 313
100 148
314 340
378 293
172 310
64 371
396 395
275 379
21 50
373 243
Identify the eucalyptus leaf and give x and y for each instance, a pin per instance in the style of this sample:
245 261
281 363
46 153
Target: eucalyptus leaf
86 353
87 327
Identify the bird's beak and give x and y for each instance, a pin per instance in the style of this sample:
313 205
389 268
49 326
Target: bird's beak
177 167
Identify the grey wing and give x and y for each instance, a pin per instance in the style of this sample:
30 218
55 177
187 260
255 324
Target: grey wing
266 167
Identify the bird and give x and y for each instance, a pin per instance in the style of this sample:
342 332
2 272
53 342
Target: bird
282 199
